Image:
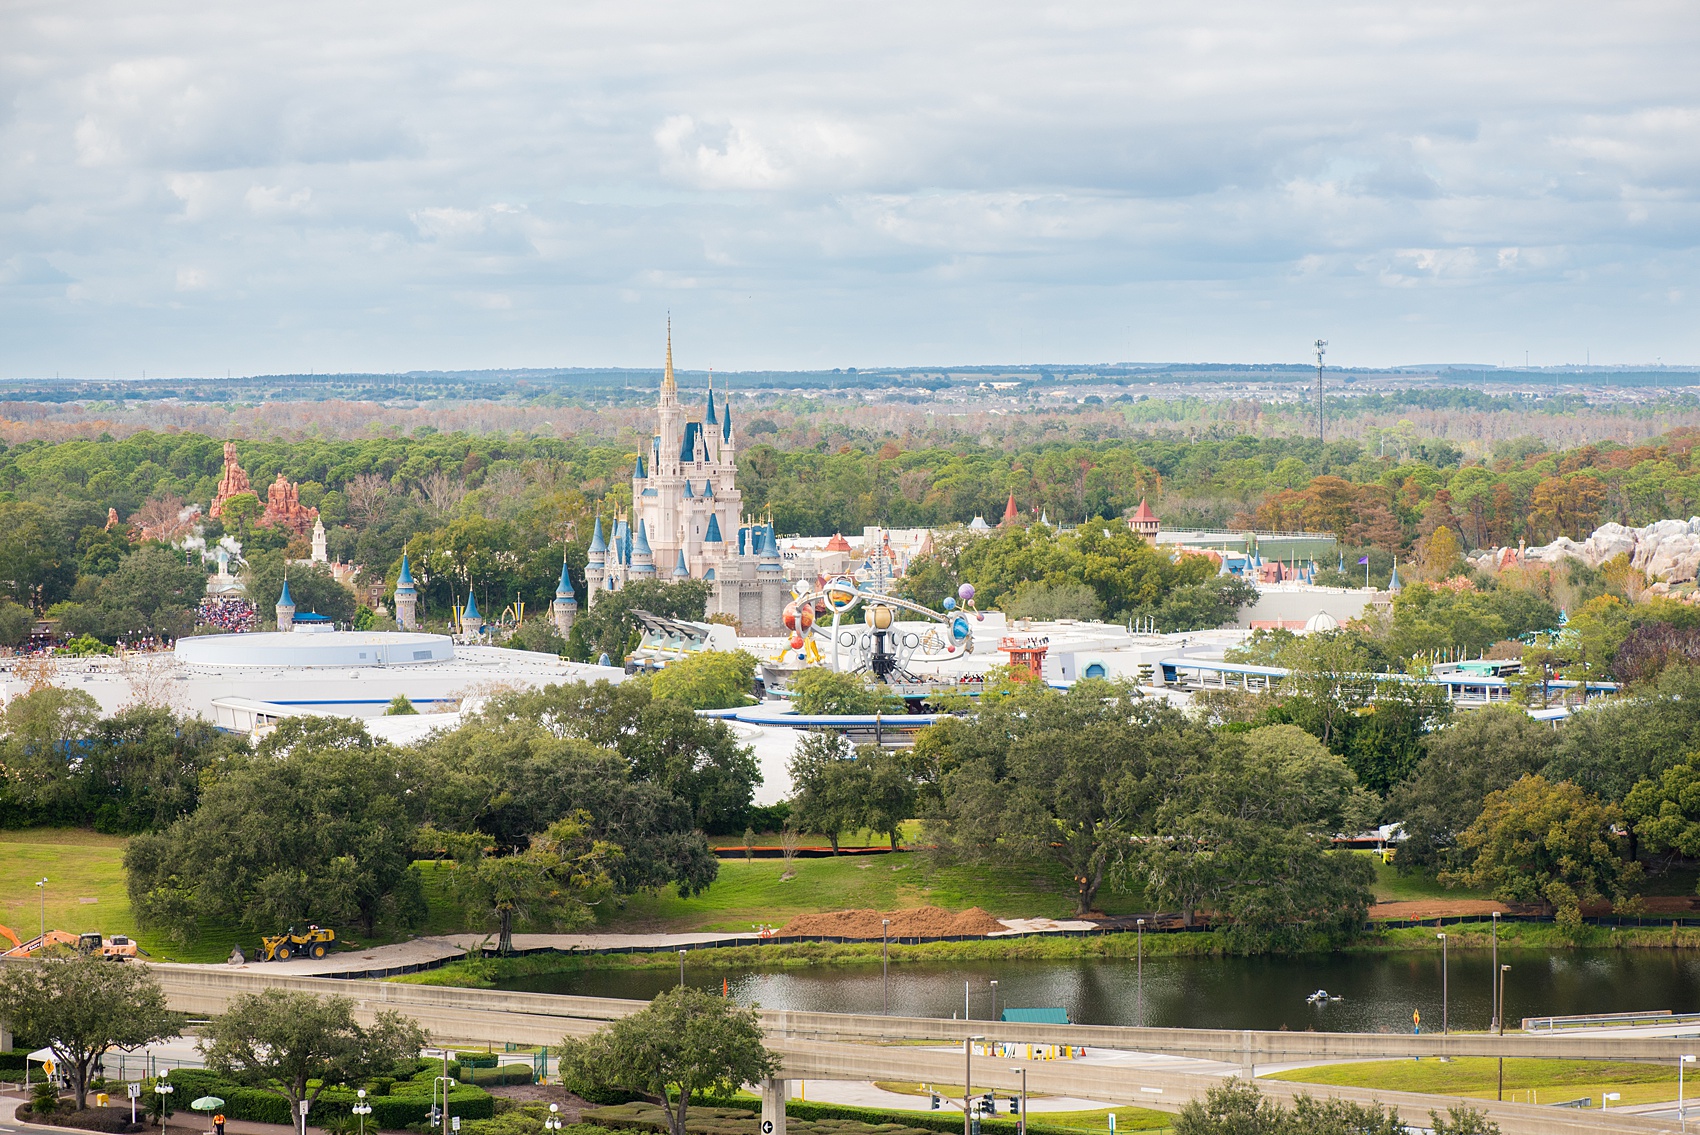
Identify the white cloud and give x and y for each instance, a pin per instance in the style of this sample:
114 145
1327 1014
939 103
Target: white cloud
439 185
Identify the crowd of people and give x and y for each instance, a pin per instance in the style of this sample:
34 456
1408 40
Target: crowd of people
227 614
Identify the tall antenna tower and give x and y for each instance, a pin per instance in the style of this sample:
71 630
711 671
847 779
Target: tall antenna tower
1321 349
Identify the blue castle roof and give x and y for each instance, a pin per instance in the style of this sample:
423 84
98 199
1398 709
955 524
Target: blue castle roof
726 430
713 535
688 493
564 589
405 579
597 542
708 418
471 611
689 441
640 472
708 488
285 599
680 571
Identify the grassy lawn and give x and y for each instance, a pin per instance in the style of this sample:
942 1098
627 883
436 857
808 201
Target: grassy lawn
1534 1081
747 893
85 882
1392 886
1127 1118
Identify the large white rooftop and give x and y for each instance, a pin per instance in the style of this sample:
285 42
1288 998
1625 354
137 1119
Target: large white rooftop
357 649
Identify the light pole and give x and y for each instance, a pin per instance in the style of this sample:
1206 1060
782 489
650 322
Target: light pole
1499 999
1445 1024
994 999
1493 982
1681 1113
362 1109
1021 1122
553 1122
42 886
885 966
681 969
164 1090
968 1082
1139 984
967 1002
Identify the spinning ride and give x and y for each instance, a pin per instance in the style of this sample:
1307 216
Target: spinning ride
893 635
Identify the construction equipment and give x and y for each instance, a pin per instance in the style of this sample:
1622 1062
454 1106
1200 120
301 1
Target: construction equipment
282 947
117 948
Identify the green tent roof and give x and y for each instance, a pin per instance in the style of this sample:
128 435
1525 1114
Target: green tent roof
1037 1016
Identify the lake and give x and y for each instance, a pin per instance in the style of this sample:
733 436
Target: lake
1378 991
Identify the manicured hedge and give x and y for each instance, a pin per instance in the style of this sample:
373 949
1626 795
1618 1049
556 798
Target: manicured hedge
408 1103
950 1121
506 1074
13 1061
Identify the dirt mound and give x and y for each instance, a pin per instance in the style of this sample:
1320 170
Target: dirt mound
919 922
1412 909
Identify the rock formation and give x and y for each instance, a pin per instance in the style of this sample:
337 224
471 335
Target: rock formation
284 509
233 482
1666 551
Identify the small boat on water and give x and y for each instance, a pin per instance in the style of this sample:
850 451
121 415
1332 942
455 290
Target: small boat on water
1323 997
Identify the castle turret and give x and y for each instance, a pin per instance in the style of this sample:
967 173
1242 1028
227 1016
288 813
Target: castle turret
471 622
596 563
680 571
285 607
321 552
643 559
565 607
406 597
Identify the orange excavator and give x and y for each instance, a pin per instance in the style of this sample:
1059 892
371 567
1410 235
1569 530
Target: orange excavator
117 948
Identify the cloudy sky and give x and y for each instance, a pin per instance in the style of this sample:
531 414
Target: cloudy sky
190 188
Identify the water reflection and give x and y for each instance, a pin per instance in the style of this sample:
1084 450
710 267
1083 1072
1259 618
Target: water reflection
1379 991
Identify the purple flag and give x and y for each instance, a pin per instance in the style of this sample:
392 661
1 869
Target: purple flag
1365 560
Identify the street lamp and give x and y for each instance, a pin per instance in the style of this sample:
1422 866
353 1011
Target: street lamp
42 885
1681 1113
1021 1121
968 1081
1493 984
553 1122
1499 1001
885 966
994 999
1140 971
681 969
1445 1025
362 1109
164 1090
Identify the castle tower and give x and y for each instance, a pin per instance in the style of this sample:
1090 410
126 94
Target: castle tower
471 622
285 608
596 565
565 608
1144 521
1010 513
321 552
680 571
643 559
406 598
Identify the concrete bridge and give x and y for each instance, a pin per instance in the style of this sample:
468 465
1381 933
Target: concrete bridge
835 1046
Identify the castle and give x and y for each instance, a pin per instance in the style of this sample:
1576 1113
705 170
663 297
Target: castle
686 520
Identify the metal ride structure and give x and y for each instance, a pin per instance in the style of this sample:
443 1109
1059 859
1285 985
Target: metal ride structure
883 644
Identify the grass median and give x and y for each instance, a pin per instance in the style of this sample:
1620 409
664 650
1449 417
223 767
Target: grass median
1526 1081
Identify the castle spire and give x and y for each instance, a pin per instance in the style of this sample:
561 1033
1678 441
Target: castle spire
669 388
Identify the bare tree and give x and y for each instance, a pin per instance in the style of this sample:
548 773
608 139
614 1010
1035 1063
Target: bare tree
164 517
788 843
442 490
365 495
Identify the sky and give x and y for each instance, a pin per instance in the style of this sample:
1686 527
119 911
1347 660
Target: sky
191 189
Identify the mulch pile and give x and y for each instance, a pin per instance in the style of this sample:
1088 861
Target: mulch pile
919 922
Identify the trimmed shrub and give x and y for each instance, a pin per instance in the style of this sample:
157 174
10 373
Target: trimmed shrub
926 1120
506 1074
409 1103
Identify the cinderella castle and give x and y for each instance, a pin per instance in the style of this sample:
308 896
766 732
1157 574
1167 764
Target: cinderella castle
686 520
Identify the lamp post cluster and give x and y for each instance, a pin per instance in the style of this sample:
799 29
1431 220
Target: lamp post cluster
362 1109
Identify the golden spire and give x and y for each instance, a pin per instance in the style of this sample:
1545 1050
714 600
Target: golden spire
669 389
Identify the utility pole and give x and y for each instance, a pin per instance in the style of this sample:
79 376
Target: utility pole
1321 349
